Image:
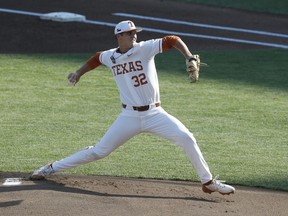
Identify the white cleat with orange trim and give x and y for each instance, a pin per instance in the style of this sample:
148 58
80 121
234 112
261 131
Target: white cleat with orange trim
217 185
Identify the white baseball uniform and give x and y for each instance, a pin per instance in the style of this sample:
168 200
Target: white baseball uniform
136 77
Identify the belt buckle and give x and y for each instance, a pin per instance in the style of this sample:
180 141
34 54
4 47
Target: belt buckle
142 108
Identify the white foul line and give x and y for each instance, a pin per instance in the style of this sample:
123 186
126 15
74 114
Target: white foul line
201 25
163 31
217 38
20 12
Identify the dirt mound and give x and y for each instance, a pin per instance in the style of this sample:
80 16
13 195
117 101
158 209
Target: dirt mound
95 195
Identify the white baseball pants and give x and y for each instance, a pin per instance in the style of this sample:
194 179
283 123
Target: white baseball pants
130 123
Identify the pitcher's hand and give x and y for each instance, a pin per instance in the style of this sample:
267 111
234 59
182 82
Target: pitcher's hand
73 78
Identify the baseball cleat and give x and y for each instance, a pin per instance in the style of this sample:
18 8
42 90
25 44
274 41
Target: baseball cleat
217 185
42 172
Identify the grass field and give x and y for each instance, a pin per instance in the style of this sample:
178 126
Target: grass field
270 6
237 112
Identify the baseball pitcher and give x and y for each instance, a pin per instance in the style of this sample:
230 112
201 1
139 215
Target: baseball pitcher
133 68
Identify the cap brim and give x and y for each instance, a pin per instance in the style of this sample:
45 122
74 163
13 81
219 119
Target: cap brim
136 29
139 29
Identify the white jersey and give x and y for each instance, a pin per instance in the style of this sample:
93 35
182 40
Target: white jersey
135 72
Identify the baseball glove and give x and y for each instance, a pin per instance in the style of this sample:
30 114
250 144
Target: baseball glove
193 67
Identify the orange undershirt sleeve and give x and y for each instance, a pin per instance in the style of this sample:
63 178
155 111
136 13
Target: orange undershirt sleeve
168 42
94 61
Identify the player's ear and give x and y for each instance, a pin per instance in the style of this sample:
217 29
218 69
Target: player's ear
118 36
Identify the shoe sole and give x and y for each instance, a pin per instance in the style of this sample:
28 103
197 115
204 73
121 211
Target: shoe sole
227 193
37 177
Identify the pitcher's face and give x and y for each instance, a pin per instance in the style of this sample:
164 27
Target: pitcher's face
127 39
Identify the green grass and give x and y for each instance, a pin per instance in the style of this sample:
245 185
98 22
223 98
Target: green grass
270 6
237 112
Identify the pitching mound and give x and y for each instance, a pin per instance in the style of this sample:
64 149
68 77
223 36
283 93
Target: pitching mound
94 195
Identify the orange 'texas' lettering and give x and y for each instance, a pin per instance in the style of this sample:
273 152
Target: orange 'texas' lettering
127 68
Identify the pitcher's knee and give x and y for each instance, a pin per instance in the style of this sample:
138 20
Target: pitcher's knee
89 153
186 139
101 153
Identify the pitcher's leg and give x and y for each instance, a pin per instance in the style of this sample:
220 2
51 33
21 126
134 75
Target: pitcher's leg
83 156
167 126
121 131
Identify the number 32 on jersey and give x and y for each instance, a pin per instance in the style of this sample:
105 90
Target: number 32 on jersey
139 80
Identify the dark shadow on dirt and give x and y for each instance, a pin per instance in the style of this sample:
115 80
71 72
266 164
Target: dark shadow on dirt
54 186
10 203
